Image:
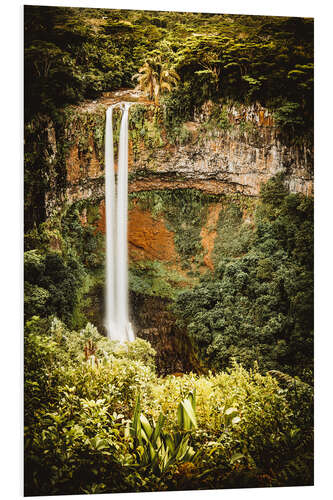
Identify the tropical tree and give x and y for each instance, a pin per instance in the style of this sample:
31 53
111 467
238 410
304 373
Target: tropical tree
155 78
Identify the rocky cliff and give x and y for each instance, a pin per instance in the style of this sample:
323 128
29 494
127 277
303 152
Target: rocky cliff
236 155
181 182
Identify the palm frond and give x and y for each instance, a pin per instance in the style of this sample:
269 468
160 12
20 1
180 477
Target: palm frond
154 78
165 86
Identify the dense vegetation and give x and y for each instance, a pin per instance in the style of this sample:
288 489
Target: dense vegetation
76 53
84 432
64 266
254 428
99 417
258 302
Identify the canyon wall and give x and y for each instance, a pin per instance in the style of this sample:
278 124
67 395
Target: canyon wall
235 157
180 182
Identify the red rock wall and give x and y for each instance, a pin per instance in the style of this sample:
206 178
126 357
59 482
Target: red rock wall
233 160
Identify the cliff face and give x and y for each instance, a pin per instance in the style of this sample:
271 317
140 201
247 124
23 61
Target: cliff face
180 187
236 158
233 157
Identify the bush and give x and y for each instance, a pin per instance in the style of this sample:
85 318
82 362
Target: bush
248 428
51 284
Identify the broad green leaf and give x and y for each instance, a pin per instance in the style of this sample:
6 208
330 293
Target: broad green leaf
235 457
170 444
146 426
229 411
193 399
140 450
190 411
136 419
180 415
158 428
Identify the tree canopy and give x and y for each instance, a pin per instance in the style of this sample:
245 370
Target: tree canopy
74 53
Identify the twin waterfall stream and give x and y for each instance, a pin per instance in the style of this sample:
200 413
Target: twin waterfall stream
116 207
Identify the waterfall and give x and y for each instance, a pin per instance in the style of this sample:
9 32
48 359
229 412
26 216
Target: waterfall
116 208
110 225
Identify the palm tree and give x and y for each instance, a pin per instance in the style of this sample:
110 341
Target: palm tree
154 78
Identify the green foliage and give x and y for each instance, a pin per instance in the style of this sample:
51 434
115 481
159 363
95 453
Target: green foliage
83 239
159 450
258 302
156 77
288 117
246 60
155 279
35 168
234 236
177 108
222 119
67 59
73 54
74 408
66 282
87 431
239 431
140 350
185 212
51 284
145 127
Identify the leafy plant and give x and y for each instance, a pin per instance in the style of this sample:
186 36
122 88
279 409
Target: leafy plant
160 450
86 428
155 78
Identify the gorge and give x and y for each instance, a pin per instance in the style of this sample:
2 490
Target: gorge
168 251
180 190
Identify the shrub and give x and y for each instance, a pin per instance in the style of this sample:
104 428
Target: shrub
245 428
51 284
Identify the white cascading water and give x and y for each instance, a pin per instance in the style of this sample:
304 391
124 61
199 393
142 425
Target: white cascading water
116 208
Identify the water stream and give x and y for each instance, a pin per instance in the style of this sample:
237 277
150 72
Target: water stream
116 215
